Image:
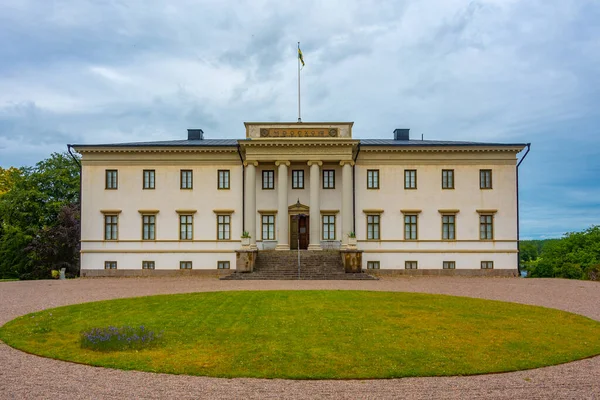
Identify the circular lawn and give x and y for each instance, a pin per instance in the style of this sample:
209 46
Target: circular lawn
307 334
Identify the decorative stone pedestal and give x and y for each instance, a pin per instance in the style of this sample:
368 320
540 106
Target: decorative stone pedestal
352 260
245 260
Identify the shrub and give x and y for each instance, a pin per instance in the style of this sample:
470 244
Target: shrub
570 271
593 272
55 274
121 338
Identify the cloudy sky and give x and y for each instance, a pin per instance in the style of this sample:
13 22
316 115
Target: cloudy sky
486 70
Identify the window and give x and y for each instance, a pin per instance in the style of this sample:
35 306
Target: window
487 265
372 264
148 227
410 227
111 227
372 179
268 227
410 179
485 178
486 227
112 179
410 265
185 265
187 180
223 264
328 179
148 179
328 222
268 179
447 179
297 179
223 227
449 265
147 264
373 227
186 227
223 179
110 265
448 227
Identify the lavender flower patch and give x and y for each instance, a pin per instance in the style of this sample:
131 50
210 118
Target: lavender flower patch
114 338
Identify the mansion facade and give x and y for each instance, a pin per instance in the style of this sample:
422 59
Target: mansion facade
155 207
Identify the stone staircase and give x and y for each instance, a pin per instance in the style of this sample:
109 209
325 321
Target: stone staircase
283 265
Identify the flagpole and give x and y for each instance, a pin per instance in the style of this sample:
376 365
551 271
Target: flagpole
298 57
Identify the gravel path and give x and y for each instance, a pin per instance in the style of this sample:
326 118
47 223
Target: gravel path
26 376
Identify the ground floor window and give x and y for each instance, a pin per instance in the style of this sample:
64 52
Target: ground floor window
147 264
223 227
223 264
328 227
373 227
449 265
268 227
410 265
185 265
487 265
372 264
110 265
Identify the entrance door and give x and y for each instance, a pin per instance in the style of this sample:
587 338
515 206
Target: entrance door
299 230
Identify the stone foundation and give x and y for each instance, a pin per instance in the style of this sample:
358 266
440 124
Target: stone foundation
96 273
444 272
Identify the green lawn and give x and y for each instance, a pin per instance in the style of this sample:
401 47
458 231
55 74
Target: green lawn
316 334
8 279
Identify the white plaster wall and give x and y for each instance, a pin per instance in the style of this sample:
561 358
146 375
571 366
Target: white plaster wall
166 197
435 260
167 261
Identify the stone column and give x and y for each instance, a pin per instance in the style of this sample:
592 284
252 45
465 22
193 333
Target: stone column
346 201
250 211
282 206
315 205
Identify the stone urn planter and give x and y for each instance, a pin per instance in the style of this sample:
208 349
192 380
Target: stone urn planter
245 242
352 242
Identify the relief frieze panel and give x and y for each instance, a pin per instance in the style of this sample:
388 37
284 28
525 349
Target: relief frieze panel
299 132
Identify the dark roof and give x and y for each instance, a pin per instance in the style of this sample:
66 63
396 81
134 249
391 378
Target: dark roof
234 142
392 142
168 143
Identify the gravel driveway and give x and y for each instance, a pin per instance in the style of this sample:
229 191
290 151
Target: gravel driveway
26 376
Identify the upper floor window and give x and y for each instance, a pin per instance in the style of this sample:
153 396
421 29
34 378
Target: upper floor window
224 227
410 227
372 179
268 179
149 179
373 227
410 179
187 179
449 227
148 227
268 227
297 179
447 179
328 222
485 178
223 179
111 227
186 227
112 179
328 179
486 226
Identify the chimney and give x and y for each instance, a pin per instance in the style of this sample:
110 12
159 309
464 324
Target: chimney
195 134
401 134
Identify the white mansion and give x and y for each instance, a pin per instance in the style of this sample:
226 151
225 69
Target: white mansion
155 207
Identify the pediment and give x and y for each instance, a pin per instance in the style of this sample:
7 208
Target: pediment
298 207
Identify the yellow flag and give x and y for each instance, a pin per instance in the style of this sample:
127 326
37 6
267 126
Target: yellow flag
300 56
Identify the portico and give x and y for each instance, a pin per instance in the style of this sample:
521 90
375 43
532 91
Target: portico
307 150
